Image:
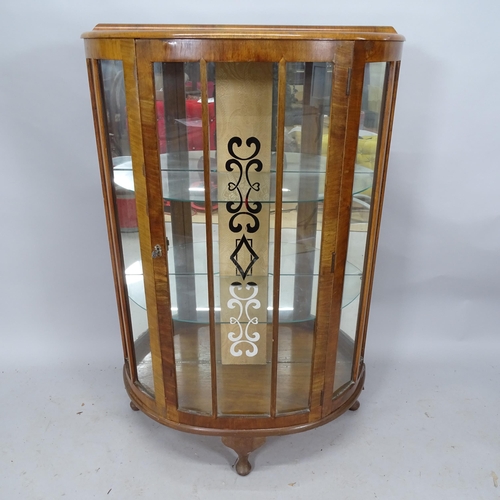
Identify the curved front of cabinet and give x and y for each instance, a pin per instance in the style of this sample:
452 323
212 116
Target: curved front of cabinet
243 184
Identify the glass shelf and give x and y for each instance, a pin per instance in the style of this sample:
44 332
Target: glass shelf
135 286
300 184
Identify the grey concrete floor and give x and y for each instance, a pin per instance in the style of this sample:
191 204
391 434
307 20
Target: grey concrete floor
427 428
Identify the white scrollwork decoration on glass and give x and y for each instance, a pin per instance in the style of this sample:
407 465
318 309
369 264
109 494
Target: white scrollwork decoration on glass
243 336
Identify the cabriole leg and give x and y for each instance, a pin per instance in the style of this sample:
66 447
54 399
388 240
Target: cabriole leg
243 446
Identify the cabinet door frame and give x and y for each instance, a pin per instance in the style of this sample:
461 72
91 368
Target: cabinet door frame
280 52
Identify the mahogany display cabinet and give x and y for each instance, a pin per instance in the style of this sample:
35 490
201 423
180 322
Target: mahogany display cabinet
243 171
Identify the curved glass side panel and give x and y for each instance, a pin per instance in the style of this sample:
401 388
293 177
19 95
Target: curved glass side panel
366 158
113 88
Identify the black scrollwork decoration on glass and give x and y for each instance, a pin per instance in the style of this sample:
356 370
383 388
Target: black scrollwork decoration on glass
244 206
244 320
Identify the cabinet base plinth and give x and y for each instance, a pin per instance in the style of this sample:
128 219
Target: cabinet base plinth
248 437
243 446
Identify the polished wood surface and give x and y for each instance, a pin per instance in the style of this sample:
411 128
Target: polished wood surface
243 446
158 292
241 387
331 269
353 69
244 31
245 426
310 372
244 387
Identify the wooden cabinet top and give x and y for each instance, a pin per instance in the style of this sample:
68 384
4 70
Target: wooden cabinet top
379 33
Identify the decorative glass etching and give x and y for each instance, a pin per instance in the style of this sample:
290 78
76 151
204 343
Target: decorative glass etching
244 169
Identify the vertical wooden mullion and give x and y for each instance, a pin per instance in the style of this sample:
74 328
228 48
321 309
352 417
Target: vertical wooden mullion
156 218
350 71
356 79
280 141
376 212
324 339
208 221
128 50
111 215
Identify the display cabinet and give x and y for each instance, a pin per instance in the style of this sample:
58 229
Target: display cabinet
243 172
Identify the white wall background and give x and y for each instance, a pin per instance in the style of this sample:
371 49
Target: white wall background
437 288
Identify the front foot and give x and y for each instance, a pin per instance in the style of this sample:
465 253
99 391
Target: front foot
133 406
355 406
243 446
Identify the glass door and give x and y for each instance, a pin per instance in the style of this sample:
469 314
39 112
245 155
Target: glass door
242 149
